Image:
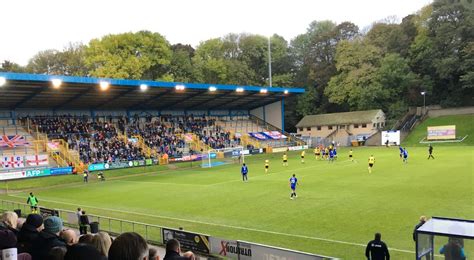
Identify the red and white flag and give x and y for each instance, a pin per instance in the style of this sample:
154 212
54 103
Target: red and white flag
36 160
10 162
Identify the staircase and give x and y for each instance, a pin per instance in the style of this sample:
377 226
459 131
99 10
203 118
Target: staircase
61 153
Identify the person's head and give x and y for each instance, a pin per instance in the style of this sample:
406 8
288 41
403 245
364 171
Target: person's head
128 246
83 212
243 164
378 236
153 253
79 209
294 175
69 236
57 253
173 245
423 219
102 242
34 222
10 218
83 251
31 193
53 224
86 239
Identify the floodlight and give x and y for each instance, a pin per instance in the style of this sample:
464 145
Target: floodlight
263 90
56 83
143 87
3 80
212 88
180 87
286 91
104 85
239 89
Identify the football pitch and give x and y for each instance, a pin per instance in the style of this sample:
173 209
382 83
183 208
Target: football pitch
339 206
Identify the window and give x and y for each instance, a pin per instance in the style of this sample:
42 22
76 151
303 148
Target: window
330 127
364 125
308 128
373 125
356 126
342 127
301 128
319 128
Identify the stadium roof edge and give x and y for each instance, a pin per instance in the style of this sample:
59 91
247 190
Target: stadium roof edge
137 83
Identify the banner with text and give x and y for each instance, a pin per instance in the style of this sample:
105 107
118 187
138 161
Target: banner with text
444 132
190 241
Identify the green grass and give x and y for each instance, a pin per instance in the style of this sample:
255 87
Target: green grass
339 201
464 126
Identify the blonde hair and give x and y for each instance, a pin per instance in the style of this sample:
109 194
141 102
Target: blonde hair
102 242
10 218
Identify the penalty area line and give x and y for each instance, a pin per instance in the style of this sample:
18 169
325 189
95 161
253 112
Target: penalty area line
219 225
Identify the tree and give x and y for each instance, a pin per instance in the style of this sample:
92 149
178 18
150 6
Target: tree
141 55
9 66
181 67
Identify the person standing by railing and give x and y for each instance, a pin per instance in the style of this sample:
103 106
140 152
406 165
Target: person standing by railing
33 201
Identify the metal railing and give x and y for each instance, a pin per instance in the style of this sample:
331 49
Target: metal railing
114 226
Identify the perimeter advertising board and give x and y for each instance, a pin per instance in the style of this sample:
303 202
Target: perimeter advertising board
444 132
190 241
393 137
230 248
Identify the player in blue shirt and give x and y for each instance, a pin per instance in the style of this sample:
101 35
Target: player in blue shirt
405 155
244 172
293 183
401 151
335 153
331 155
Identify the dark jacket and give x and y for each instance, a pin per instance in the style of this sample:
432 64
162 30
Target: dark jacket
416 227
7 239
83 220
44 243
26 238
172 255
377 250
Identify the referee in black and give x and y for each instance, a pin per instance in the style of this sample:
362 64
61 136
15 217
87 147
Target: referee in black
377 249
430 151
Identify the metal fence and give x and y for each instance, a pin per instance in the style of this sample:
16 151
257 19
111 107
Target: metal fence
114 226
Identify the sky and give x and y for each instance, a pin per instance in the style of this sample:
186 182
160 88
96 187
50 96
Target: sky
29 26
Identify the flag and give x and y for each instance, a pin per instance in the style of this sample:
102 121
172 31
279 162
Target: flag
36 160
9 162
12 141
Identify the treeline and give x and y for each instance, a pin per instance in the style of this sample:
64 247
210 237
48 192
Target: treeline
341 67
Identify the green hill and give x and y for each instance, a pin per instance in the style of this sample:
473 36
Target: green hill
464 126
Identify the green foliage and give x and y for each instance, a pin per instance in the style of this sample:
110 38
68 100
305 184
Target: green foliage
129 55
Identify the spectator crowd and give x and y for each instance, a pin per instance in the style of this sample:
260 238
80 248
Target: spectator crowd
46 239
99 141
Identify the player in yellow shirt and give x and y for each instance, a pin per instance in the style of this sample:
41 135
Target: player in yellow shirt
285 159
371 163
267 165
317 153
302 156
350 156
326 152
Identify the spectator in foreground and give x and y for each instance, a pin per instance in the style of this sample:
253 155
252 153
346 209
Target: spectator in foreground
48 238
153 253
69 236
453 250
377 249
29 233
129 246
173 251
9 221
57 253
86 239
422 221
102 241
83 252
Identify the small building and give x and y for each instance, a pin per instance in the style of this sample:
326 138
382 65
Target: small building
342 125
